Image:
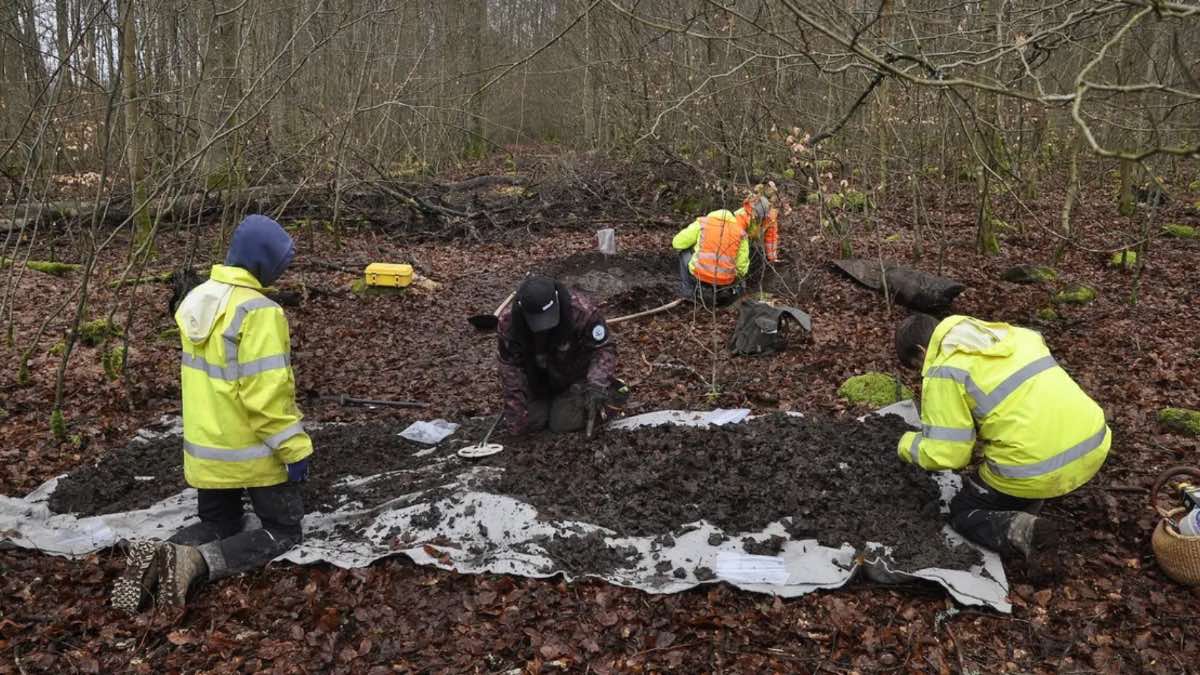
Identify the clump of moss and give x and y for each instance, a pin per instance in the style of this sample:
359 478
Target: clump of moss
856 200
1075 294
58 348
1125 260
93 333
1180 420
1029 274
874 389
1047 314
813 198
58 424
835 201
1181 231
113 361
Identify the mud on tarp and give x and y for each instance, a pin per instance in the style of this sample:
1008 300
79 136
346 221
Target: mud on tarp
447 513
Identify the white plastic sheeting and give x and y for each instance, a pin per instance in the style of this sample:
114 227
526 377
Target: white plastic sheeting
478 532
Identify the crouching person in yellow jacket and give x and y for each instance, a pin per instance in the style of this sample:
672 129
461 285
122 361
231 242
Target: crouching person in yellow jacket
241 428
714 257
1041 435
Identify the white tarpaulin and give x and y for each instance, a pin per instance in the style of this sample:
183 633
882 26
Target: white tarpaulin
478 532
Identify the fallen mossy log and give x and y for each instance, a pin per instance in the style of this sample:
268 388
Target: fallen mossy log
53 268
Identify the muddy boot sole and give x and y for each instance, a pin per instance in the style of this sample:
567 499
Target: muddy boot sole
136 584
1042 563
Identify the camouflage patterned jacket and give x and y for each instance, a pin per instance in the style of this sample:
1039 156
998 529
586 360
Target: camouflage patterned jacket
533 367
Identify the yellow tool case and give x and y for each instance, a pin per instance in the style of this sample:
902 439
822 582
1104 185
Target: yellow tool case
395 275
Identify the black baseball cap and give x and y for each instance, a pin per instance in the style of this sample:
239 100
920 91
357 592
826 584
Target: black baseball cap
537 298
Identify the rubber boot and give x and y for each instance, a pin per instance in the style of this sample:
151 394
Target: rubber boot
178 568
136 584
1033 538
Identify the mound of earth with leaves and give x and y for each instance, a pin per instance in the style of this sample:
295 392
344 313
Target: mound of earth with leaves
623 282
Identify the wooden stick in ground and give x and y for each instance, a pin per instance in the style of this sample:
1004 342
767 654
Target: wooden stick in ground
656 310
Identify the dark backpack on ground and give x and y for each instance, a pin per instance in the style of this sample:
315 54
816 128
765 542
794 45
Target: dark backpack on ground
764 329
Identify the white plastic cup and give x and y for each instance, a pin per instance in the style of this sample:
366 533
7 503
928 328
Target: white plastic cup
1189 525
607 239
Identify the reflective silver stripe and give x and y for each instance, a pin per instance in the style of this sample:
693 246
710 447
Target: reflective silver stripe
239 315
211 369
1010 383
716 256
914 449
1054 463
233 372
264 364
948 433
960 376
277 440
986 403
715 269
223 455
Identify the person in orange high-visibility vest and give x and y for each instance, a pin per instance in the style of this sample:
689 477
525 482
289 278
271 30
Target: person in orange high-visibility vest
714 256
762 229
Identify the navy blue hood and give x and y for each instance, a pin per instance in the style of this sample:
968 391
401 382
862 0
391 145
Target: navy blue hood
261 247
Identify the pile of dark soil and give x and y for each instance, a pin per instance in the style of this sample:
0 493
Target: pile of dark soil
141 474
625 282
133 477
837 479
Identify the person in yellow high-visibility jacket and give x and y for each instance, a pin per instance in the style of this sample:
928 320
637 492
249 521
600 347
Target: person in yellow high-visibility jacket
714 256
997 385
241 428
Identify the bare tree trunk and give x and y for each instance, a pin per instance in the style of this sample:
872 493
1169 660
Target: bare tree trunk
62 22
133 146
222 166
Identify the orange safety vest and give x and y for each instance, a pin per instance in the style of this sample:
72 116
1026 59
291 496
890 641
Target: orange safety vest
771 236
715 261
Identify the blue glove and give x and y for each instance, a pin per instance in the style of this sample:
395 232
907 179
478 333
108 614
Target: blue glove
298 471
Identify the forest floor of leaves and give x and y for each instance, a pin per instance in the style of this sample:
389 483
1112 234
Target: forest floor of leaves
1111 610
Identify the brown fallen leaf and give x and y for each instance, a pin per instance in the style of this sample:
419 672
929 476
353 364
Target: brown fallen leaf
181 637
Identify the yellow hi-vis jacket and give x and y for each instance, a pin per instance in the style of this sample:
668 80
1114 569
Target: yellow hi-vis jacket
689 238
1042 435
240 421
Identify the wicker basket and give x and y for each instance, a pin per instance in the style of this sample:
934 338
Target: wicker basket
1178 555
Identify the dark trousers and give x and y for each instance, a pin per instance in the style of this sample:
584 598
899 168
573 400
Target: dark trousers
226 548
983 515
690 287
567 411
564 413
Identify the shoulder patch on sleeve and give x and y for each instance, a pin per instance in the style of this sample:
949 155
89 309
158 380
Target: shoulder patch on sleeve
599 332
